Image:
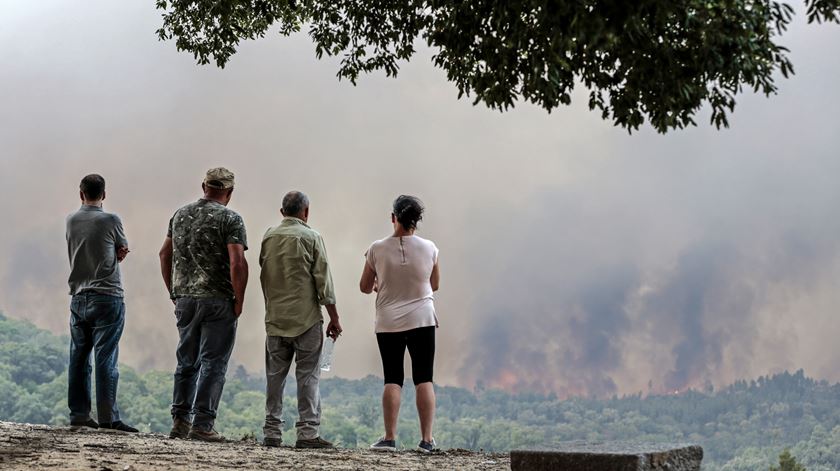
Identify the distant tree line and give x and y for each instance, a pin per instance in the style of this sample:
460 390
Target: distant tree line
743 427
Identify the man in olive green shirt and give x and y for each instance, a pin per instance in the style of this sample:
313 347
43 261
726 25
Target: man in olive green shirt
296 282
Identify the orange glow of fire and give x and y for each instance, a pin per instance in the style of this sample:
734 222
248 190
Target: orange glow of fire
518 381
506 380
514 380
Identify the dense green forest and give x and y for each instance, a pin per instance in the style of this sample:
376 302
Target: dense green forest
742 427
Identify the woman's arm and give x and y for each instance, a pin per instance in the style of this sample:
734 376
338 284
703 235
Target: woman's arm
435 278
368 280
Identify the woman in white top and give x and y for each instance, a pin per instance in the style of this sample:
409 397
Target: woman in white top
403 270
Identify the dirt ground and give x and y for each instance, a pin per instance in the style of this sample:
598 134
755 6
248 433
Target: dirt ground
25 446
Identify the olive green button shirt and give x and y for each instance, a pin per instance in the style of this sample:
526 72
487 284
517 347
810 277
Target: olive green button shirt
295 277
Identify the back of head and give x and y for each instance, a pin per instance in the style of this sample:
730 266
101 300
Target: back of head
294 203
216 193
93 187
409 211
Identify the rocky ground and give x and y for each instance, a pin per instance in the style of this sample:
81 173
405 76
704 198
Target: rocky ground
25 446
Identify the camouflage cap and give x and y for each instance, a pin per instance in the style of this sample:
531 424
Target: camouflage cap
219 177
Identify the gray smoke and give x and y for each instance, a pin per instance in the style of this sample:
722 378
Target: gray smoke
575 258
586 311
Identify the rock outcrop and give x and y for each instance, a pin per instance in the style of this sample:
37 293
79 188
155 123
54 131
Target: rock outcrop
614 456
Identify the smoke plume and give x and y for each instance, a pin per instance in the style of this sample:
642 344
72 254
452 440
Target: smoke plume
575 259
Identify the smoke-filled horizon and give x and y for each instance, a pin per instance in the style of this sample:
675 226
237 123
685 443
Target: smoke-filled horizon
575 258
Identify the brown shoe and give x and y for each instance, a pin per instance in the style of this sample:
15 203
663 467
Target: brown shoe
180 428
316 442
205 435
272 442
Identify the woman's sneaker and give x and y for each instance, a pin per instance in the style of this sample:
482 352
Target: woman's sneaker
427 447
384 445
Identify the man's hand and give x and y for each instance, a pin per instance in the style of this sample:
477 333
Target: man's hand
237 308
334 329
122 252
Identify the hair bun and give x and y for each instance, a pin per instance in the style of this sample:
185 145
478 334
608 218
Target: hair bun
408 211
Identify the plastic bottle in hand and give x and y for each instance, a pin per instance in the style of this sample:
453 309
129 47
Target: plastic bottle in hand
327 354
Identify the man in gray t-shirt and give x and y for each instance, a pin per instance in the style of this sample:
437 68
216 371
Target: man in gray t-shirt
96 245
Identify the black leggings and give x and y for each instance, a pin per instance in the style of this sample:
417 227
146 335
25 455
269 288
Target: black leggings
421 348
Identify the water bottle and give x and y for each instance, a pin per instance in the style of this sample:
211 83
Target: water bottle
327 354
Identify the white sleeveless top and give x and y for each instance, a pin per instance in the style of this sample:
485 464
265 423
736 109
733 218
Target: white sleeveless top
403 266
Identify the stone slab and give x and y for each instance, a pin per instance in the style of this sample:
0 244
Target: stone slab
609 456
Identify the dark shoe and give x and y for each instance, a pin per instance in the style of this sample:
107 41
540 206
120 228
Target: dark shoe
316 442
427 447
272 442
118 426
89 423
205 435
384 445
180 428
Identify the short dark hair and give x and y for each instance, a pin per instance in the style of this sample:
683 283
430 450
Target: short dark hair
409 211
294 203
216 192
93 187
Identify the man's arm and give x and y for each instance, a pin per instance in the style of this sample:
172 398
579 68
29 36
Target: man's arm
166 264
324 287
122 252
121 242
238 275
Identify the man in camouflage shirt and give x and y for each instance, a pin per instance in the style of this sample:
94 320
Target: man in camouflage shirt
203 265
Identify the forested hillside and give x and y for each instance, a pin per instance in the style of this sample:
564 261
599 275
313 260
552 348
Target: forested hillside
742 427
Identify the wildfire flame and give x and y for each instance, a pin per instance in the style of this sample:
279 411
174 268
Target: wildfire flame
521 381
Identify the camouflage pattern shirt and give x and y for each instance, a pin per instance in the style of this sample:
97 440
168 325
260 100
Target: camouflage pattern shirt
200 233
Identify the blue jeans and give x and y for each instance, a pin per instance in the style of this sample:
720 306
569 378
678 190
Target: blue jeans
207 330
96 324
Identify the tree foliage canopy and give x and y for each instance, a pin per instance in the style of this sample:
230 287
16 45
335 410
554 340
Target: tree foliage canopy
646 59
787 462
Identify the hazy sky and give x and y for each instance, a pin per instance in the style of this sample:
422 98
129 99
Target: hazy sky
575 258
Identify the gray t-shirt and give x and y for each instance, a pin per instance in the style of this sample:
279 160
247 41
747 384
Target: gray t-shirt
93 237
